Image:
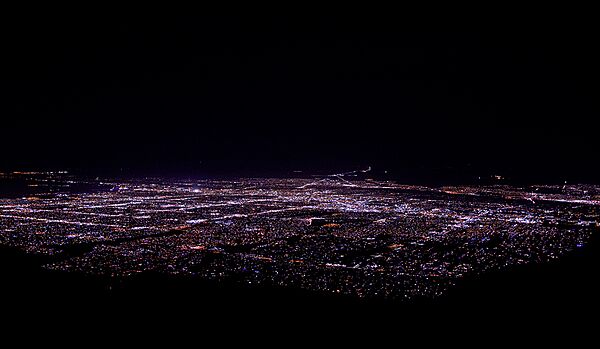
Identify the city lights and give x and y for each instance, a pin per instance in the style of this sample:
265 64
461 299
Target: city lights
331 235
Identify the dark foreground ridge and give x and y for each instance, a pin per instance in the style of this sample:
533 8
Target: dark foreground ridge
561 293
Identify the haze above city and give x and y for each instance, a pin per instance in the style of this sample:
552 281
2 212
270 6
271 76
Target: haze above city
252 95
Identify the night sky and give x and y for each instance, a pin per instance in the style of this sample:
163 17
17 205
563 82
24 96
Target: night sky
238 95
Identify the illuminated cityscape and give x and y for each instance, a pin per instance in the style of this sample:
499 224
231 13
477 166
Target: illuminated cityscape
271 175
337 234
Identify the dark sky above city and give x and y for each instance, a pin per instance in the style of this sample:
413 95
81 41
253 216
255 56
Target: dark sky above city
255 94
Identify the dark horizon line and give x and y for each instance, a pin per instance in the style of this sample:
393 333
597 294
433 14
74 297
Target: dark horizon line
408 175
